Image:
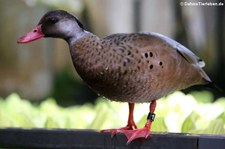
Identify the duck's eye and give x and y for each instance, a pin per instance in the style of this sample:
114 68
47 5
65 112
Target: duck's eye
53 20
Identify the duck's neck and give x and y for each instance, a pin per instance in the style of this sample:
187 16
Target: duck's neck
71 40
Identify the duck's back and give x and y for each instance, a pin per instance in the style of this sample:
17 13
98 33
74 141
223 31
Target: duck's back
137 67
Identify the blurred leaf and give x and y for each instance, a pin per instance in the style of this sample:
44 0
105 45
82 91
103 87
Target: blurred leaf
159 125
50 123
215 127
101 115
189 123
221 101
23 120
176 112
142 121
203 96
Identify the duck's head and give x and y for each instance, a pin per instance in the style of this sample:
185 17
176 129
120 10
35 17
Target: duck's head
56 24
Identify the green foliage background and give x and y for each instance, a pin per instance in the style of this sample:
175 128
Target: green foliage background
192 113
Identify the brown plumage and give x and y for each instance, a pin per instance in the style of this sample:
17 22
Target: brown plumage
136 67
133 67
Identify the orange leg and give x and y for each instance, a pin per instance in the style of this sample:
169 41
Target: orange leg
145 131
131 131
130 123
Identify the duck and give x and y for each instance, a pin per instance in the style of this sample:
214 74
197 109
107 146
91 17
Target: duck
124 67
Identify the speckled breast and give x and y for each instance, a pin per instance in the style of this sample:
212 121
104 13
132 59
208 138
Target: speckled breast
128 72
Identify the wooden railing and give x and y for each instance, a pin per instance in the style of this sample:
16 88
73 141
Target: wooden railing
88 139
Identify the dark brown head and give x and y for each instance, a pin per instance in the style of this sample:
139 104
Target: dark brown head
56 24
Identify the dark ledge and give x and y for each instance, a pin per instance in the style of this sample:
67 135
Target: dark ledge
64 138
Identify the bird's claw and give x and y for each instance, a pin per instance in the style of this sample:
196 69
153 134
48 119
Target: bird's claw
130 133
138 133
118 130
